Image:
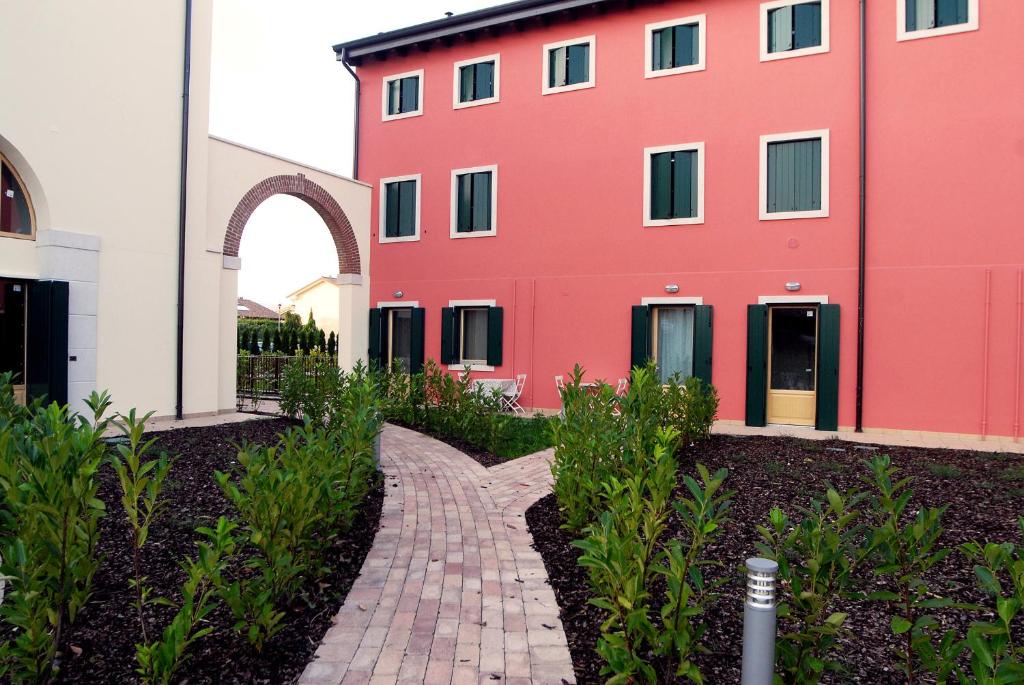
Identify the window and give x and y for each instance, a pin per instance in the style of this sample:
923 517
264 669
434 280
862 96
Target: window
476 81
474 202
675 333
676 46
672 342
471 335
397 336
794 29
674 185
926 18
399 209
403 95
16 217
794 175
569 65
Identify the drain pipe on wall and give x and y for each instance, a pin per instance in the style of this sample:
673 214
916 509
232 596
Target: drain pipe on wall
862 214
182 197
343 58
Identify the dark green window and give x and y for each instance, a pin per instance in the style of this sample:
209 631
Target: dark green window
399 209
403 95
674 185
932 14
476 81
794 176
472 335
569 65
794 27
675 46
474 197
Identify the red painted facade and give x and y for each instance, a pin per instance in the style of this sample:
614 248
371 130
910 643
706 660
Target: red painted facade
571 254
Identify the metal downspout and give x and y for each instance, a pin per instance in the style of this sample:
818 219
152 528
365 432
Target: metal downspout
182 201
355 141
862 216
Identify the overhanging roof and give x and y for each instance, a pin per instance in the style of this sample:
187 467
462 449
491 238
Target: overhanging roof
450 28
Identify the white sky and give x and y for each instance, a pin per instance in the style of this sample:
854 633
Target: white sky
275 86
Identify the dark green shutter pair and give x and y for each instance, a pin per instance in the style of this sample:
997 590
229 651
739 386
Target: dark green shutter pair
450 352
476 81
675 46
378 347
794 27
46 368
474 202
674 184
569 65
640 344
404 95
794 175
826 415
927 14
400 209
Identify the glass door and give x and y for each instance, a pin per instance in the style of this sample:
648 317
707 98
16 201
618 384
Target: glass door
400 338
792 364
13 298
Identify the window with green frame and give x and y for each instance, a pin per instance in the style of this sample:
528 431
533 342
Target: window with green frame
403 95
674 181
931 14
569 65
794 176
794 27
476 81
400 209
675 46
474 199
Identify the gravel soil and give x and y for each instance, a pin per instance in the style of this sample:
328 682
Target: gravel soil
985 492
100 646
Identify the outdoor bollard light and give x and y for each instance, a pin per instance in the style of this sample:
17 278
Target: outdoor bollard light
759 622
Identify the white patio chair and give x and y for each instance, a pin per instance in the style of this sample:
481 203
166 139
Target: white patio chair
620 390
512 399
560 385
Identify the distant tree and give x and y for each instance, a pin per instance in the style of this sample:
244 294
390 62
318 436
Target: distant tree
290 345
254 343
291 320
304 341
322 341
311 323
332 344
243 339
277 340
267 336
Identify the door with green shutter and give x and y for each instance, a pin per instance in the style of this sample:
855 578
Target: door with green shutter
676 337
757 363
792 364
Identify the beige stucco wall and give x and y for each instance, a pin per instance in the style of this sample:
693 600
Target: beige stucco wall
322 300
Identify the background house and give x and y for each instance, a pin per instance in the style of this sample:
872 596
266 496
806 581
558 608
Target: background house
321 298
247 309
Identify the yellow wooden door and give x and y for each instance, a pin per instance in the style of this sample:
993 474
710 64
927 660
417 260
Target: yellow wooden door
792 364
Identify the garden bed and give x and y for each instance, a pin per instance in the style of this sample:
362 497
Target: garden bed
529 436
100 646
985 493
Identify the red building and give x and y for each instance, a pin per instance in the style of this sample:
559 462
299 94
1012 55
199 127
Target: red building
601 182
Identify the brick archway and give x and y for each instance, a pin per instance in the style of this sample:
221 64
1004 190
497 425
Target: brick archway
313 195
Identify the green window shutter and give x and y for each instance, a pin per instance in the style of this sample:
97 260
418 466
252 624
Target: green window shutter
464 199
46 350
448 337
417 339
391 207
794 175
466 83
410 94
950 12
661 185
663 48
684 193
780 29
757 364
579 64
702 339
686 44
407 208
395 96
556 67
827 396
483 81
374 350
481 216
806 25
640 344
494 335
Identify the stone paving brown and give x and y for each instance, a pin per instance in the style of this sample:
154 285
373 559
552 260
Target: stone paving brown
452 590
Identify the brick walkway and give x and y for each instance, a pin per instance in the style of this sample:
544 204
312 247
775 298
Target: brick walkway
452 591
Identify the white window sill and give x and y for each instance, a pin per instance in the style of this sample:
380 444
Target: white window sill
549 90
812 214
404 115
657 223
472 367
399 239
474 234
786 54
475 103
688 69
904 35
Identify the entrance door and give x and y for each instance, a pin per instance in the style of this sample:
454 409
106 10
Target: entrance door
792 361
13 296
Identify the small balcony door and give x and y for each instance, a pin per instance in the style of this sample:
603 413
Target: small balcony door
792 364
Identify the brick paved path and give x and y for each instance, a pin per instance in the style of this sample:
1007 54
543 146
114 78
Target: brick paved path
452 591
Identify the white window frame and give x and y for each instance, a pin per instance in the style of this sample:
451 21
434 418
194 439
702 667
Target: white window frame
390 313
763 212
684 221
384 96
669 301
903 34
792 299
454 226
803 52
456 82
398 304
701 21
383 206
591 68
458 304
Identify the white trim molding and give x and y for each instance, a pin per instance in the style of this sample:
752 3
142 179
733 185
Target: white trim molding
792 299
398 304
384 96
647 301
382 208
802 52
763 212
472 303
454 225
457 82
701 21
591 67
903 34
683 221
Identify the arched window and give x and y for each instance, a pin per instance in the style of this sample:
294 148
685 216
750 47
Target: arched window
15 207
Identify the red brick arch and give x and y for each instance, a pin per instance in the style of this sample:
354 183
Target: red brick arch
313 195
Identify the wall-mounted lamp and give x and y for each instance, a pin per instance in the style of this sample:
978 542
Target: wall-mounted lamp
671 288
397 294
792 286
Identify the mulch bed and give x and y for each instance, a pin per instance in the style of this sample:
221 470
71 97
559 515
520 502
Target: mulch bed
100 646
481 456
985 493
